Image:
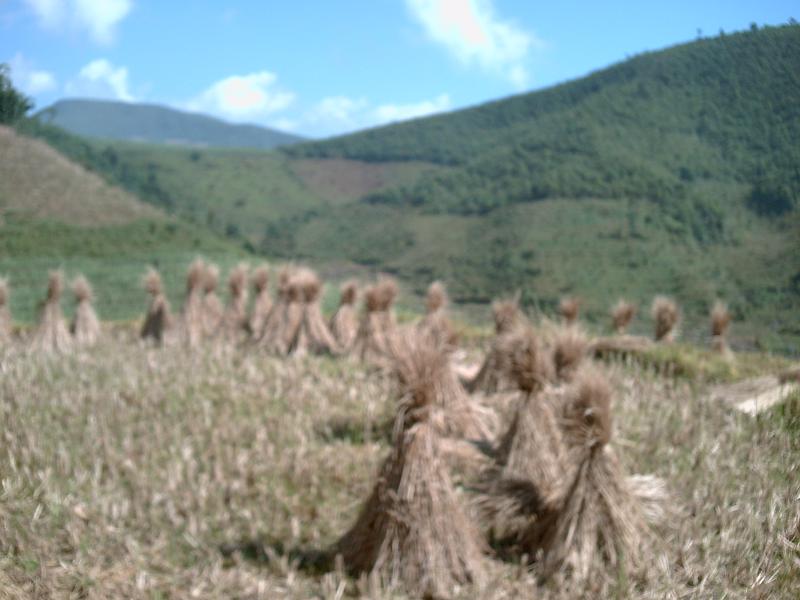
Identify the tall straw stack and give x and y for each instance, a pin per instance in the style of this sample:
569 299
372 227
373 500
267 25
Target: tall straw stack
213 309
273 333
193 313
507 315
377 324
600 526
158 319
262 303
313 334
622 314
569 308
85 326
52 334
494 375
666 315
234 319
5 313
344 323
413 533
570 346
720 322
436 324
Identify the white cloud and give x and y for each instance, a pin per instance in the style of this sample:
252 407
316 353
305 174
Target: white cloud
387 113
29 79
337 114
473 34
98 17
243 96
101 79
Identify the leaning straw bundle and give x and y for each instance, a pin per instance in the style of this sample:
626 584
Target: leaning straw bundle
600 525
158 319
234 319
52 333
193 325
720 322
344 323
213 310
313 334
622 314
570 346
273 333
568 309
5 313
412 532
262 303
665 314
436 323
85 326
377 324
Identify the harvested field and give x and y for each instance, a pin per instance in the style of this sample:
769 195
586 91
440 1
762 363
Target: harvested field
132 471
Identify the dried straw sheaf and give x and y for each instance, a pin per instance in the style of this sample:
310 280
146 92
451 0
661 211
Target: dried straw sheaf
569 308
720 322
413 533
570 346
377 324
85 326
600 526
428 382
529 466
213 309
622 314
313 334
665 314
5 312
234 319
52 334
193 313
436 324
158 319
286 313
507 315
262 303
344 323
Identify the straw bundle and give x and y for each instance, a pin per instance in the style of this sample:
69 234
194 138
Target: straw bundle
193 319
52 333
622 314
158 319
600 523
85 326
377 324
507 315
262 303
234 323
413 532
313 334
429 383
570 346
665 314
213 310
273 335
344 323
5 313
568 308
720 322
436 324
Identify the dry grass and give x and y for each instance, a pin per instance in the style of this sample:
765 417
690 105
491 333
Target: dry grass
135 472
5 312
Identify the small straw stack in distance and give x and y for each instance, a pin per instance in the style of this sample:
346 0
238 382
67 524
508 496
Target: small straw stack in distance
158 319
85 327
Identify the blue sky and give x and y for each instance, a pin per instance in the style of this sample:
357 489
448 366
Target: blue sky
328 67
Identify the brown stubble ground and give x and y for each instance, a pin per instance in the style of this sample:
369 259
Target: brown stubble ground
158 473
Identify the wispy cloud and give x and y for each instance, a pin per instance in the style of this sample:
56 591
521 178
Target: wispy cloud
101 79
387 113
471 32
30 79
99 18
243 96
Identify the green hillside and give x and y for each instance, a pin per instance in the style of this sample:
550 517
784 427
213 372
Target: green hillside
55 214
157 124
674 172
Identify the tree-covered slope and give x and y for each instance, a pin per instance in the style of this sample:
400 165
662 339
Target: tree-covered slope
157 124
